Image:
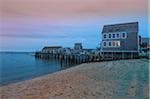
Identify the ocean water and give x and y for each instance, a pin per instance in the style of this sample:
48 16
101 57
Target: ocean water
15 67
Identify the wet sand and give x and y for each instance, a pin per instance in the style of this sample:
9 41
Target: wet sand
124 79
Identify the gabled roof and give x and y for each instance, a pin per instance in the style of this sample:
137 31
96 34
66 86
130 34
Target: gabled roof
51 47
128 27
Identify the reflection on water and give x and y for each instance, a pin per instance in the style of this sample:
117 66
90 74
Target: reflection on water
15 67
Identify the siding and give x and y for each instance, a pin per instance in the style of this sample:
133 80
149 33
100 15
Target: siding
128 44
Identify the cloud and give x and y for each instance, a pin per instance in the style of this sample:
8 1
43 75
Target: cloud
66 20
65 9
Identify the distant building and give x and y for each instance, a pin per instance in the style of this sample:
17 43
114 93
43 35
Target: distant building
145 41
66 50
121 38
50 49
145 44
78 46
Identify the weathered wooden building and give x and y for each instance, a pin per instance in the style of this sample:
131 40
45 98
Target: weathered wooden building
50 49
120 40
78 46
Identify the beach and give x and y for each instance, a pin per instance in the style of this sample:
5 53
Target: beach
121 79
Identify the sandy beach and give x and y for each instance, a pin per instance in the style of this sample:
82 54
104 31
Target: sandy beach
124 79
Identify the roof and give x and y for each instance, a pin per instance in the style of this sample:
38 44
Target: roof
78 43
133 26
51 47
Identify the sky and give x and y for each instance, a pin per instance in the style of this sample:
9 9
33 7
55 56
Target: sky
29 25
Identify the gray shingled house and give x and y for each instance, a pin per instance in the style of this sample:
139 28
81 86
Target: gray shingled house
120 40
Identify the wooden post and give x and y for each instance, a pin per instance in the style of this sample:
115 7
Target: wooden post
122 55
112 55
131 55
66 58
61 60
72 58
76 59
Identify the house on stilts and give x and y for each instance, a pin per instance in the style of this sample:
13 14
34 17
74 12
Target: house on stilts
120 41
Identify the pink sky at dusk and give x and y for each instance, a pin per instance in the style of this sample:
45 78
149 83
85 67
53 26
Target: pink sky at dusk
55 22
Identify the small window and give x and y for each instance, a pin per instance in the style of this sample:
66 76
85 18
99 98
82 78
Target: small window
113 43
104 43
124 35
118 35
113 35
109 43
117 43
105 36
109 35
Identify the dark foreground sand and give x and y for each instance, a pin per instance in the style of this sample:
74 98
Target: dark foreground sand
125 79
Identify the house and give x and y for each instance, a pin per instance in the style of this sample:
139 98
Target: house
145 46
65 50
145 41
51 49
120 39
78 46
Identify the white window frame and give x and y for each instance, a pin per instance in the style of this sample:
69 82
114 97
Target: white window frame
113 45
103 36
107 44
122 35
104 42
118 43
113 34
110 36
119 35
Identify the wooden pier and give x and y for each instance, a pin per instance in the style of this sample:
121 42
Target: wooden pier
84 58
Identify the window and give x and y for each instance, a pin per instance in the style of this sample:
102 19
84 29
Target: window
109 35
113 35
117 43
124 35
104 36
104 43
109 43
113 43
118 36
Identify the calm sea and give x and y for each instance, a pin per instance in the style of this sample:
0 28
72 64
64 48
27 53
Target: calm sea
15 67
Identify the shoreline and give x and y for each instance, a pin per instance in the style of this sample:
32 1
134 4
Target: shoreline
38 77
64 70
98 79
59 72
